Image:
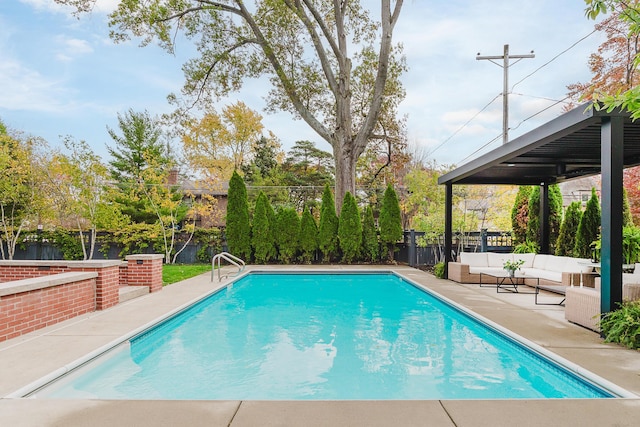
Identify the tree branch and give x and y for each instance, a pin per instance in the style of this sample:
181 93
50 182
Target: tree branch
284 80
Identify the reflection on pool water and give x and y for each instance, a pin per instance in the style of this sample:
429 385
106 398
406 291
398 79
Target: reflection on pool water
322 336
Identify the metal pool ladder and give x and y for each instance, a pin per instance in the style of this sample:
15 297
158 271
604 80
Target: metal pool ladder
229 258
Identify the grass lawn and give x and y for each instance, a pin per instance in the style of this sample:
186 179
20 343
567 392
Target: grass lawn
172 273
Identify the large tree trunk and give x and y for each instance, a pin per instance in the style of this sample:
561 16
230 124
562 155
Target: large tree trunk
345 163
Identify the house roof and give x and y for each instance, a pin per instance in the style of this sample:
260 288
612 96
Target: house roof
565 148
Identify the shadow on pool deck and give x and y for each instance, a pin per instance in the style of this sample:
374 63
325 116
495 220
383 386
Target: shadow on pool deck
28 358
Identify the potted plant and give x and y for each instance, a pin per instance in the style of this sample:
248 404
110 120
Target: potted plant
512 266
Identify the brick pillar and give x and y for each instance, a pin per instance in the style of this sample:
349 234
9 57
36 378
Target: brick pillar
145 270
107 287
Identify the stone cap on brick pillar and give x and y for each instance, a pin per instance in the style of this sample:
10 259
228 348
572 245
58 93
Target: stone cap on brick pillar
144 257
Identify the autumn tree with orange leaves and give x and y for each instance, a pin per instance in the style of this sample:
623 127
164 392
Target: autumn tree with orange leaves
612 65
615 73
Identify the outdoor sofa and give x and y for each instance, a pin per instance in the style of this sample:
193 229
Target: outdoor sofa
582 304
550 270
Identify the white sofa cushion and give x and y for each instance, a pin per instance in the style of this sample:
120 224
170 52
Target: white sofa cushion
474 259
497 260
540 261
544 274
527 258
556 263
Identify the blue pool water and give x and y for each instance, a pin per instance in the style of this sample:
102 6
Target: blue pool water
319 336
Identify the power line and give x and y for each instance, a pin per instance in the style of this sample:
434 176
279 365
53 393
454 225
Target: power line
479 149
465 124
552 59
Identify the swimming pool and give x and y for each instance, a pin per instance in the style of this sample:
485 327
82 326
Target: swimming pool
312 336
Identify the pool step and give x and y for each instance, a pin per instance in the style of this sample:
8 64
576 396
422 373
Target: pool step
131 292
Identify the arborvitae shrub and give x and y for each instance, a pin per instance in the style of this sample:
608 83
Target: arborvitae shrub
308 236
328 229
390 220
370 244
262 237
589 227
555 215
566 243
238 229
533 224
287 233
349 229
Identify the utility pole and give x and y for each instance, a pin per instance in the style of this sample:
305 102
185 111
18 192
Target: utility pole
505 91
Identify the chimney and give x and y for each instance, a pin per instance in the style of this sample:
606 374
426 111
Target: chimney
173 176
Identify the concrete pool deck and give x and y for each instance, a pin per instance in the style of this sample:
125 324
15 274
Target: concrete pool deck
26 359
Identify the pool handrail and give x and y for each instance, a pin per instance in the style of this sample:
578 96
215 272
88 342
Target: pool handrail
229 258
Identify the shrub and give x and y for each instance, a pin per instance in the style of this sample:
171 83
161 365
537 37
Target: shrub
390 220
328 229
438 270
623 325
308 236
238 229
565 246
533 224
262 238
370 244
349 229
555 215
589 227
287 232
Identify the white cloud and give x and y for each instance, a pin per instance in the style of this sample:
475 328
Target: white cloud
71 48
25 89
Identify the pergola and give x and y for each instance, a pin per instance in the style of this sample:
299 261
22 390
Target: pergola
579 143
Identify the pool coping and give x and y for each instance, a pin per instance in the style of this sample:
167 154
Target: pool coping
481 301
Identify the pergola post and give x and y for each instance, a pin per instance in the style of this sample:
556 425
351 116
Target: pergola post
612 158
544 218
448 227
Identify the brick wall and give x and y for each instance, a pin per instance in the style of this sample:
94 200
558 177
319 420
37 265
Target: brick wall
107 283
23 312
23 309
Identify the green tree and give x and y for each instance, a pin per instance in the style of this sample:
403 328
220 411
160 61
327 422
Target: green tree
520 215
262 236
22 201
78 184
555 215
390 221
137 147
370 244
302 46
218 144
533 223
308 236
238 229
350 229
566 243
288 232
264 168
589 227
328 229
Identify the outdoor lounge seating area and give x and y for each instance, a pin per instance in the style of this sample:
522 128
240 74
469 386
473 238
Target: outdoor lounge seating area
550 270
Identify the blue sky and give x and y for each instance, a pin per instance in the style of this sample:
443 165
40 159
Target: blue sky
63 76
